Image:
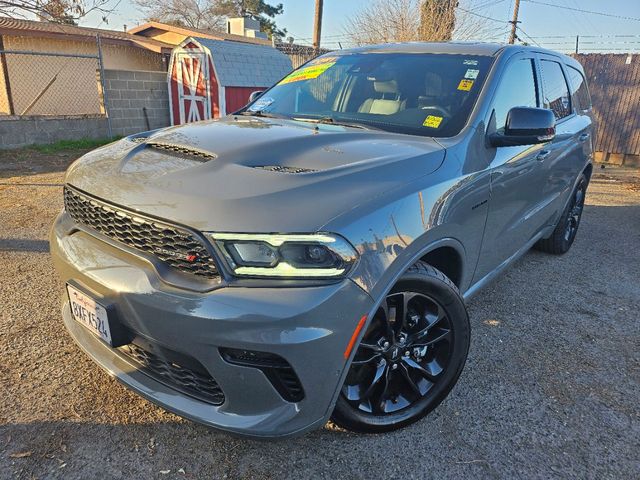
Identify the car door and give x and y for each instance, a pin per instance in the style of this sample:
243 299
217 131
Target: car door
517 207
571 146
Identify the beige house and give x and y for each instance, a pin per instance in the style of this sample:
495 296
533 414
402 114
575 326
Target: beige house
32 84
174 35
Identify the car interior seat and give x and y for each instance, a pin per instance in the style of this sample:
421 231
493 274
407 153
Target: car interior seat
387 99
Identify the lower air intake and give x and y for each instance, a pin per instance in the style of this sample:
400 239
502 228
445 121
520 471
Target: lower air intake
277 369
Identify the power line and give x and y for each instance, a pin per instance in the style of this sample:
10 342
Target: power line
491 3
528 36
479 15
592 12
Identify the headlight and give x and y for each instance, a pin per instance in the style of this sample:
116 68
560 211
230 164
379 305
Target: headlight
318 255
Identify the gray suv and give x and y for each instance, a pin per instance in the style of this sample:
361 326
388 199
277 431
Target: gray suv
309 257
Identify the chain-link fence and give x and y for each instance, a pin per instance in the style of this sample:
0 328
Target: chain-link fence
35 83
299 54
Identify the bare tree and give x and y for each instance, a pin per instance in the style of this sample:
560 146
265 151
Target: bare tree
384 21
207 14
212 14
59 11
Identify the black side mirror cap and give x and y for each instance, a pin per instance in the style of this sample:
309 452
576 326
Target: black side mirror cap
255 95
526 126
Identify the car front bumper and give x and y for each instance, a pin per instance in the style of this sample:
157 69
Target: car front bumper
309 327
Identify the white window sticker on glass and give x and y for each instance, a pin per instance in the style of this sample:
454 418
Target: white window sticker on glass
472 73
260 104
470 62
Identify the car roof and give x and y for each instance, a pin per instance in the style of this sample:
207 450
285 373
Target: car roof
456 48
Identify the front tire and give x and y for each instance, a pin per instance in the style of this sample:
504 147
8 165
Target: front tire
410 356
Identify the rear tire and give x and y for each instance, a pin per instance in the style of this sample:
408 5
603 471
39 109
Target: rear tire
410 356
565 232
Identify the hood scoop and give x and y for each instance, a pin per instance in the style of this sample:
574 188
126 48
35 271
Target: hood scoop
285 169
182 151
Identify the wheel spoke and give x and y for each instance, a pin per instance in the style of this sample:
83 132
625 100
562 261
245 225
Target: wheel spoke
366 360
380 373
442 334
371 346
388 312
405 373
411 363
382 401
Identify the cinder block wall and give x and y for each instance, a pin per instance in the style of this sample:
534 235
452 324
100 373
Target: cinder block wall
131 93
18 132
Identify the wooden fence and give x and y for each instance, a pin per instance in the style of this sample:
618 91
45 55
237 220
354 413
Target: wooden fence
614 83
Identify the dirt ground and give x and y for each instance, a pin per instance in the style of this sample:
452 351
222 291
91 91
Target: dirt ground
551 388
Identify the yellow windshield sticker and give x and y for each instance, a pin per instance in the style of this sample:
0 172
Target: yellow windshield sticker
307 73
432 121
321 60
465 85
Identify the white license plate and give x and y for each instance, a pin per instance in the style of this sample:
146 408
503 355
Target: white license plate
89 313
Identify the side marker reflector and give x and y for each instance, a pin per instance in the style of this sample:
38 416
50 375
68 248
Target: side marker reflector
354 337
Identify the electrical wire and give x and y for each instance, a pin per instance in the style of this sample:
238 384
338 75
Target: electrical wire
593 12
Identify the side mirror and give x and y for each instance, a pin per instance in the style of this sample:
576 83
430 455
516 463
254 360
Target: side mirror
525 126
255 95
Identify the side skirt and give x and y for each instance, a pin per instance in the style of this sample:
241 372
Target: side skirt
496 272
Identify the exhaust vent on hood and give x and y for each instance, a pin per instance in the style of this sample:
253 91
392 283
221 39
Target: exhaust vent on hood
182 150
285 169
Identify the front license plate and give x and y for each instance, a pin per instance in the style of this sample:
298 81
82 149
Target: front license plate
89 313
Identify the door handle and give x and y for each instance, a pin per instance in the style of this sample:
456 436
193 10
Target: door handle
543 155
584 137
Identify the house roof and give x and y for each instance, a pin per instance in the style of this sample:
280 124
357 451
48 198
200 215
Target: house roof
18 26
245 65
148 28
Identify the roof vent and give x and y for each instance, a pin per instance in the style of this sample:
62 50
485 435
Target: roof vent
182 150
285 169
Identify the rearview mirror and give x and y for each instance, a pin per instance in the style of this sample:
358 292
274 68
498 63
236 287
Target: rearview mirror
255 95
525 126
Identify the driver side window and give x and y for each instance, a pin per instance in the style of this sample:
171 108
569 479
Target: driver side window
517 89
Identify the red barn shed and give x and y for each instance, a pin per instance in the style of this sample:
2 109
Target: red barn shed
211 78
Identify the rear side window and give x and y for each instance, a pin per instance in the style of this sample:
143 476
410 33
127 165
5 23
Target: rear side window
556 91
517 89
579 90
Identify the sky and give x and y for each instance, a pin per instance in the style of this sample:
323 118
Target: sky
539 21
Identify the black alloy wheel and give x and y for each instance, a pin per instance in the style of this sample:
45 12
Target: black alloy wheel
410 356
565 231
575 213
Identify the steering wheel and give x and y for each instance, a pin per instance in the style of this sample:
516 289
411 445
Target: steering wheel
441 110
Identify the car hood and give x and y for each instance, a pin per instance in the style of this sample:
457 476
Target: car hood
242 174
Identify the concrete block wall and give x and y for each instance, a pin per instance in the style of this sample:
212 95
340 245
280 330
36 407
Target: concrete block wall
129 94
18 132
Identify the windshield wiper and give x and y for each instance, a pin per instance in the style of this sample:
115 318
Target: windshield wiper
331 121
260 113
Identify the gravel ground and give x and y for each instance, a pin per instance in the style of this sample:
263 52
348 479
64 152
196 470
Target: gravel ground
551 388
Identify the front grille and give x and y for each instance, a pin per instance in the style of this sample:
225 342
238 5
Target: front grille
182 150
195 381
174 246
279 372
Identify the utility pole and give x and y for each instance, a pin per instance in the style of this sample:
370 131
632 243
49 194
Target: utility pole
514 22
317 27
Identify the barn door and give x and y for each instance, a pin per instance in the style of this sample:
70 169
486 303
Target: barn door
193 86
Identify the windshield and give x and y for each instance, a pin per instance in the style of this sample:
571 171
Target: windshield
418 94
